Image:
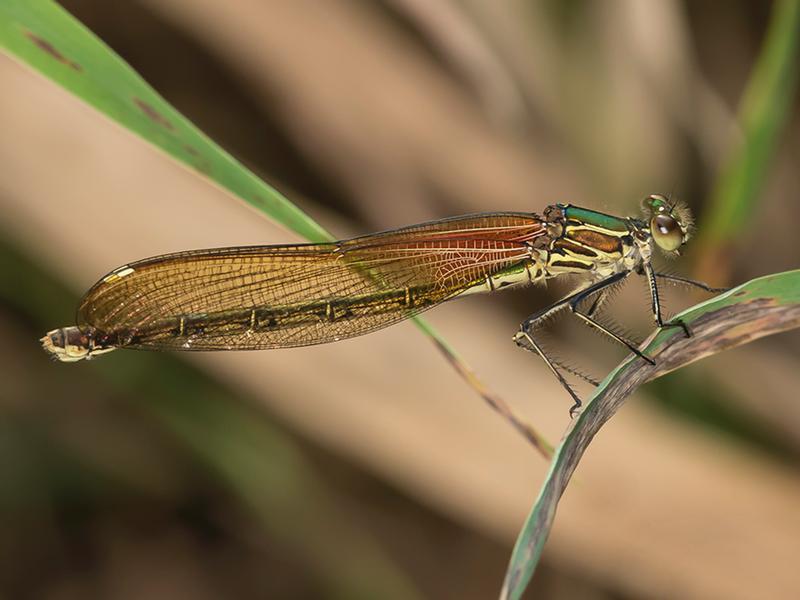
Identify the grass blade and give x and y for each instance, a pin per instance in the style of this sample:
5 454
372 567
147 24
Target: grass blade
763 112
761 307
49 40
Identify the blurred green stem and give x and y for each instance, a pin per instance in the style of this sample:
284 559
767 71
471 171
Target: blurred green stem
763 112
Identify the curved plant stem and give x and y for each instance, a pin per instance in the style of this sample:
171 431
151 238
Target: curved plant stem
761 307
763 112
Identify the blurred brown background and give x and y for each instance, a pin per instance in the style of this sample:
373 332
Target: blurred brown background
368 468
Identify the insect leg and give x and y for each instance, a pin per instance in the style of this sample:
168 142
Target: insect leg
587 317
525 336
525 340
692 282
656 304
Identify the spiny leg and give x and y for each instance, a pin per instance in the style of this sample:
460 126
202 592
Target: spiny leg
692 282
587 318
656 302
535 347
598 301
574 371
525 338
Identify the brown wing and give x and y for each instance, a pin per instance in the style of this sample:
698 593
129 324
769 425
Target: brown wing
295 295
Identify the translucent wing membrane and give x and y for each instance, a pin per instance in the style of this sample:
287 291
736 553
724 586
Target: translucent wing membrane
295 295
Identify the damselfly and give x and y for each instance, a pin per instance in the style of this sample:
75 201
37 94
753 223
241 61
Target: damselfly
259 297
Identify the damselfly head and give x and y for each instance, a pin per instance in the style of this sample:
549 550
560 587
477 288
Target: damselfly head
670 222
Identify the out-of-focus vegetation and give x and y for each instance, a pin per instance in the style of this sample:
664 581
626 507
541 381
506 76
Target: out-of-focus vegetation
140 475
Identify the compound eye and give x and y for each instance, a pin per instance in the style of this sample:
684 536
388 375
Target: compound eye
666 232
656 204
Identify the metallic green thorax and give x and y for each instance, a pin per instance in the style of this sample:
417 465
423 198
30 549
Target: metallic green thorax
592 217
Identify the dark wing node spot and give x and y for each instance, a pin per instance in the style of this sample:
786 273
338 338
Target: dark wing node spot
52 51
152 114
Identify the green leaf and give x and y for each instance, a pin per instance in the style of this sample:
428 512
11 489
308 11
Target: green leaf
761 307
44 36
763 112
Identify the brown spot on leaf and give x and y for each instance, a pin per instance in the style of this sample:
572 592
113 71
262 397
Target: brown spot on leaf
153 114
203 166
52 51
198 161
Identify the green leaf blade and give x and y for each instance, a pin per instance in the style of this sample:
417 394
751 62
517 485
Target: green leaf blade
763 306
44 36
763 113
